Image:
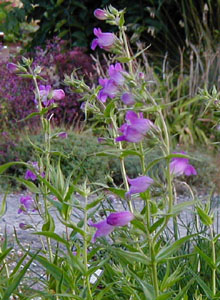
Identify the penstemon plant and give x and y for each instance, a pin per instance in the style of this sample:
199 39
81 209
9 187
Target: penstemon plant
135 252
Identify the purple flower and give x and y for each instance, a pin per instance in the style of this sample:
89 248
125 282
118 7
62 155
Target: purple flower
105 40
135 128
48 95
116 73
27 204
139 184
128 99
103 229
180 166
109 89
120 218
63 135
106 226
100 14
30 175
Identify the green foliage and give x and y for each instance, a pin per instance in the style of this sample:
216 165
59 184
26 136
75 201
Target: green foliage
11 19
149 21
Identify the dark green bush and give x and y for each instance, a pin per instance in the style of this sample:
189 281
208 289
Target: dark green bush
166 25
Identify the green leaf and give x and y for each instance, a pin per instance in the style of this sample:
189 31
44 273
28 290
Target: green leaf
118 192
156 224
52 189
53 236
15 282
184 290
94 203
205 257
59 2
4 167
3 206
153 163
74 227
108 153
165 252
147 288
5 253
54 270
30 185
181 206
121 20
49 225
131 257
109 109
165 296
202 284
125 153
205 218
56 204
124 59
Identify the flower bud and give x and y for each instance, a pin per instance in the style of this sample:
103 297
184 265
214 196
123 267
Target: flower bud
58 94
100 14
12 67
128 99
63 135
120 218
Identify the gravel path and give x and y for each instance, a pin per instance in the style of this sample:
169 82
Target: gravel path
12 219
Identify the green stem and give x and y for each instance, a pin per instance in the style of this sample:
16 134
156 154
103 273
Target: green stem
154 273
5 265
127 50
214 261
152 251
85 255
47 148
122 165
168 175
142 158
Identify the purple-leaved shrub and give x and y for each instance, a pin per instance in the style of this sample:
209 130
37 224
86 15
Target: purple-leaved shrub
17 99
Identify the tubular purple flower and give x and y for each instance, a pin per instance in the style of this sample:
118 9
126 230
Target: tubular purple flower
100 14
135 128
120 218
30 175
103 229
27 204
116 73
109 89
180 166
105 40
106 226
128 99
139 184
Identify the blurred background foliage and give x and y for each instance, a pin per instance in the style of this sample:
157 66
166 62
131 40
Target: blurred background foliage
168 25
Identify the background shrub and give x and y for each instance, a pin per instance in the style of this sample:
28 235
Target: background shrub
192 22
17 96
